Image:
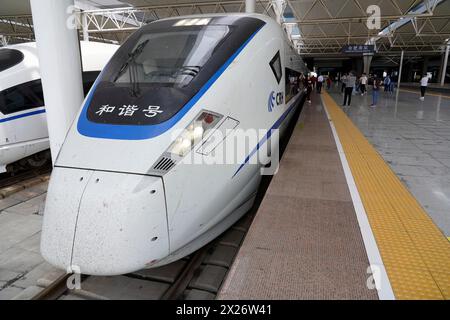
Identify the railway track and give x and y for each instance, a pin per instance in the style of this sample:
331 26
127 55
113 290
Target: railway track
10 184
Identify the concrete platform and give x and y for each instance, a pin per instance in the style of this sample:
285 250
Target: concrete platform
413 137
432 87
305 242
336 208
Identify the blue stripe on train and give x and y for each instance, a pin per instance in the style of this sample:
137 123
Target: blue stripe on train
275 126
22 115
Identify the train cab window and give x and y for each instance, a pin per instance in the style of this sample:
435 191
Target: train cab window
164 65
24 96
9 58
275 65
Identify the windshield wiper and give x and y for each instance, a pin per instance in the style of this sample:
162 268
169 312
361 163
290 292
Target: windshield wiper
189 70
131 64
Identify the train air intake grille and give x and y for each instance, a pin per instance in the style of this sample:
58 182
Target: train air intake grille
164 164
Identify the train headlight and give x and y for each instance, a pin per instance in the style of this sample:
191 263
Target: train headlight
194 133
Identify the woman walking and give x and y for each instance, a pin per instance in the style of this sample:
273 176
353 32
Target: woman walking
375 91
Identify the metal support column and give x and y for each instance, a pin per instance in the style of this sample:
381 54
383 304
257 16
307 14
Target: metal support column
250 6
60 66
444 64
400 71
367 58
84 25
278 7
398 84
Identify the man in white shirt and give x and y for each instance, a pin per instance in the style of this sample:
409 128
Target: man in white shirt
363 82
423 86
349 85
319 84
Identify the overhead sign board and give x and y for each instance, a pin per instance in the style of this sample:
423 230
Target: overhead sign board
358 48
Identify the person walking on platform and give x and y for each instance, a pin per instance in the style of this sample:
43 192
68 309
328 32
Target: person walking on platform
308 85
349 85
423 86
329 83
363 84
344 81
387 83
375 91
301 82
313 81
392 86
319 84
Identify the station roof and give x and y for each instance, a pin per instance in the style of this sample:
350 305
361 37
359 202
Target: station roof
411 25
317 27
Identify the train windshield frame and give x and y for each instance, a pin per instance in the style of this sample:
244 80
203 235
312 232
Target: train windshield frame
162 66
10 58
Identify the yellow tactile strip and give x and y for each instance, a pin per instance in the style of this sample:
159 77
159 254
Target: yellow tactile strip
414 251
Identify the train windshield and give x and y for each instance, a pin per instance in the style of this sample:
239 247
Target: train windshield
9 58
170 58
163 65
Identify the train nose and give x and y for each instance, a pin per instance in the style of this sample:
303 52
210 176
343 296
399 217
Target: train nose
104 223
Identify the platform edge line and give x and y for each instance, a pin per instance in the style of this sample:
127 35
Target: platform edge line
373 253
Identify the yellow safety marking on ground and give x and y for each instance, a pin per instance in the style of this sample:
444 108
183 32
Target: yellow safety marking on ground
427 94
414 251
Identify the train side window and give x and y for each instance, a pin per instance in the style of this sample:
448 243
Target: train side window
29 95
9 58
22 97
291 83
275 65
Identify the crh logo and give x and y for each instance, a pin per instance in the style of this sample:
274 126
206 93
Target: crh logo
275 100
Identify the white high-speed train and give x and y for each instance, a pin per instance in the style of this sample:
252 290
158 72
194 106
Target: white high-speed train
23 125
121 198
